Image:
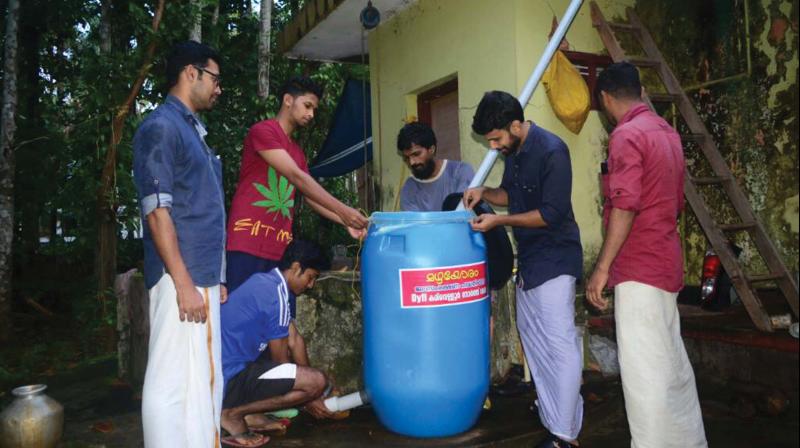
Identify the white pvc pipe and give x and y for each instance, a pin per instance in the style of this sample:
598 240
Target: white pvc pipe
549 51
336 404
483 171
530 86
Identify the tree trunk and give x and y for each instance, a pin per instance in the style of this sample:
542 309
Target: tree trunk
105 27
7 128
196 33
215 15
106 210
263 49
26 217
106 235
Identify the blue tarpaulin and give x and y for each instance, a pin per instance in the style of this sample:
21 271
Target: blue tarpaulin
343 150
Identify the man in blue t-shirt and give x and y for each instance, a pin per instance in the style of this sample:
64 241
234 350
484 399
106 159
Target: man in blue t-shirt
261 369
432 179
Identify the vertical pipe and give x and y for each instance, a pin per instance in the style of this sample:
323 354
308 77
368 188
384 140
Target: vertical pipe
364 124
530 86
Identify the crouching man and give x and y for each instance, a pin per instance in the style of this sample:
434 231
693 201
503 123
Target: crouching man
261 368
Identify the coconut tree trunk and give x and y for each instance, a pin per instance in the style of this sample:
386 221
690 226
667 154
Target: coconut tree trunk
215 15
105 26
26 217
106 209
263 49
7 128
196 33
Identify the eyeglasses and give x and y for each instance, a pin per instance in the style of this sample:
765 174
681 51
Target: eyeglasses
214 76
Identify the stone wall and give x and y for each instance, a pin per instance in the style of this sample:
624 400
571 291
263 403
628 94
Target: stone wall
329 318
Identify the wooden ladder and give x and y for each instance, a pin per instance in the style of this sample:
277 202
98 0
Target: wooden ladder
723 177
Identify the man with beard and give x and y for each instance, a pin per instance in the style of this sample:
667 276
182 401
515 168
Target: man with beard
273 169
179 181
537 188
432 179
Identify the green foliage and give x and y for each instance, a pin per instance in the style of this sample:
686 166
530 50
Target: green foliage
69 91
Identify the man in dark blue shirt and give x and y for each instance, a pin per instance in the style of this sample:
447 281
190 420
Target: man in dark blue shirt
537 188
179 181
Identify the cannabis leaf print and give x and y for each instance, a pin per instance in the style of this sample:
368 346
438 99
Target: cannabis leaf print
278 195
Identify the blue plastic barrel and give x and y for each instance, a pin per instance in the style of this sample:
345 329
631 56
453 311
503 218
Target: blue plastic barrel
426 322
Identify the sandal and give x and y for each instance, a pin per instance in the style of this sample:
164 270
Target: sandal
283 413
232 440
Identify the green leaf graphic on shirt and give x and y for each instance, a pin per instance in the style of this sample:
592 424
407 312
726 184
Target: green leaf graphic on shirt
278 195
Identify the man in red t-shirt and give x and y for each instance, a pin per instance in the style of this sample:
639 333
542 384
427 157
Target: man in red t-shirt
641 259
273 169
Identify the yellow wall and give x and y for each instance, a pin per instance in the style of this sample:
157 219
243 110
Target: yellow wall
488 46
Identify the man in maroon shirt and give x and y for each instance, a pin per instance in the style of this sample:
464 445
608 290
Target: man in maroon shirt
641 259
273 169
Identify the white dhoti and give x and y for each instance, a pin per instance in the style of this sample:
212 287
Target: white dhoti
182 394
657 379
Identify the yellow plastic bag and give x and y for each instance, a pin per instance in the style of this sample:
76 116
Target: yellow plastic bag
568 92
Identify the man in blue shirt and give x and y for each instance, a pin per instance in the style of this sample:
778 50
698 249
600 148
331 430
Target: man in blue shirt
179 182
432 179
537 188
263 371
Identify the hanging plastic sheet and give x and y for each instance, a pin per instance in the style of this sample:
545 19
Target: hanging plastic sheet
343 150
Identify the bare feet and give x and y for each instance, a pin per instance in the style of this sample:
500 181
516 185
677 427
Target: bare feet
262 423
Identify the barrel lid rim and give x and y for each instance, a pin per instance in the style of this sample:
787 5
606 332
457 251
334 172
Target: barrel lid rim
439 217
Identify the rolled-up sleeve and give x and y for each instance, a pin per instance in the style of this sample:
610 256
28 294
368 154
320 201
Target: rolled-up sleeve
625 173
556 187
153 164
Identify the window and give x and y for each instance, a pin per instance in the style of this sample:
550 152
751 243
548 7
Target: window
589 65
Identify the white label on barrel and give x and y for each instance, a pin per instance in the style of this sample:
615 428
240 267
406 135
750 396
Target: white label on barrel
442 286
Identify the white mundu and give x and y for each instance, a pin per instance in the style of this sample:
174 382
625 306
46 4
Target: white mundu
657 378
182 394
